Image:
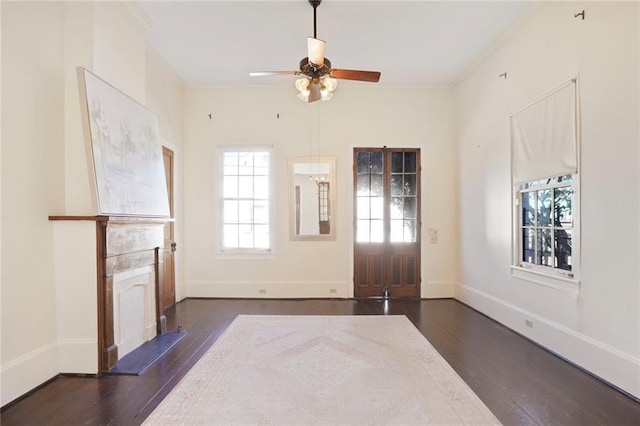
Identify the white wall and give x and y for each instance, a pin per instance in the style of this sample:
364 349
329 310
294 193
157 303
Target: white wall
32 187
356 116
165 97
49 316
599 328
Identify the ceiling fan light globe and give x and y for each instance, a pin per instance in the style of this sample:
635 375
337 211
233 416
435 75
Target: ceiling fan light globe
315 49
304 95
302 84
325 95
330 83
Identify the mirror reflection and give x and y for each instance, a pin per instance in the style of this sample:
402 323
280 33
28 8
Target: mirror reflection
312 186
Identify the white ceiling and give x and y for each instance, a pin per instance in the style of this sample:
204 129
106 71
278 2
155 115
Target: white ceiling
413 43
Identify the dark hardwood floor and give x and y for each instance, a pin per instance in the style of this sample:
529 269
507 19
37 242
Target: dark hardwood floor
520 382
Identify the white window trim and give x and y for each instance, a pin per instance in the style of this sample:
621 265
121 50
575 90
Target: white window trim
242 253
543 275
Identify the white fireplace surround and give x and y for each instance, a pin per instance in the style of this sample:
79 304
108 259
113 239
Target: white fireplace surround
134 319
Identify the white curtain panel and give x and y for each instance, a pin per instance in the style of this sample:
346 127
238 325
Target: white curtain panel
544 136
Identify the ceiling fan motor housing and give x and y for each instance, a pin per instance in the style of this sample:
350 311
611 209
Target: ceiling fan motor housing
315 71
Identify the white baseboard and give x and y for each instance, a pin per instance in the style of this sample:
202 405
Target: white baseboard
78 356
438 290
28 371
269 289
616 367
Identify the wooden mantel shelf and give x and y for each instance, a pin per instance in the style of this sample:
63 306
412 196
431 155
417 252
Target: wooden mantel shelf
136 219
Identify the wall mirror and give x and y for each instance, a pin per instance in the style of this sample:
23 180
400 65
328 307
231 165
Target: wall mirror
313 189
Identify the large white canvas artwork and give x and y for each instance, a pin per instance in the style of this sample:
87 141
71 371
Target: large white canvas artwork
126 151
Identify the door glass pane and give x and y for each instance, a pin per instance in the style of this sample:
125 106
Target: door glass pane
563 249
377 231
363 208
363 160
377 207
397 231
397 162
528 208
397 208
363 185
362 232
410 162
376 185
410 231
376 163
396 185
410 208
410 187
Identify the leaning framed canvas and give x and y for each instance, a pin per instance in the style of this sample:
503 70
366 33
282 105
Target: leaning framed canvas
126 151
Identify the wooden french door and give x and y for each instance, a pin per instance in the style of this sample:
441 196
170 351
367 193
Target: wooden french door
168 281
387 222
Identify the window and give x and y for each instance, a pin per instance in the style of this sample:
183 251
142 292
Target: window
245 176
546 221
546 225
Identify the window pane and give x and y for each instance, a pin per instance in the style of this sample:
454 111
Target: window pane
261 212
363 208
376 162
410 187
377 207
230 238
245 237
230 187
230 214
397 162
376 185
230 161
528 250
397 208
245 187
377 231
261 236
410 162
544 208
261 185
563 249
245 163
363 162
544 247
362 233
396 185
245 211
562 204
528 208
410 207
364 185
261 163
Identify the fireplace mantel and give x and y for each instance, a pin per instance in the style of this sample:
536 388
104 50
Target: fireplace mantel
123 243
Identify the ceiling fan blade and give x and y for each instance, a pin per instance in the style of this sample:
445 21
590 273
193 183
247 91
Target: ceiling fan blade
315 49
370 76
265 73
314 91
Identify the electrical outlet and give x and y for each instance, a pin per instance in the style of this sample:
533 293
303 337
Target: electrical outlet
433 236
333 291
262 291
528 322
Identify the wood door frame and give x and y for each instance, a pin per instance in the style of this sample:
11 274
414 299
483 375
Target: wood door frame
166 252
352 207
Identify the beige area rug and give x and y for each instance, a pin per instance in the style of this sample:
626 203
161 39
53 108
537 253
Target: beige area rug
321 370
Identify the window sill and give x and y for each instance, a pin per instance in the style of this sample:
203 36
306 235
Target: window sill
557 282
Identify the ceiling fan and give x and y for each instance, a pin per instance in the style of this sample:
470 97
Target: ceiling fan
319 80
